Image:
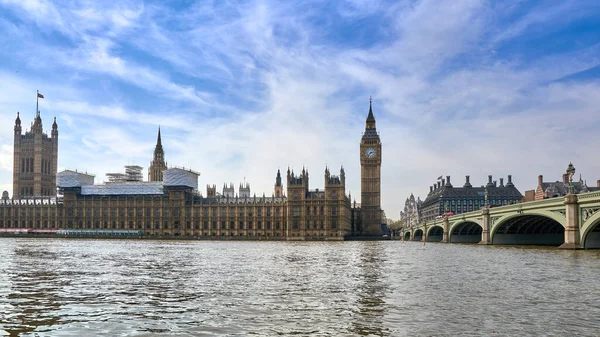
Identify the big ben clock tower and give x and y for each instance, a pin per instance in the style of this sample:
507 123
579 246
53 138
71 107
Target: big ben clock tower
370 177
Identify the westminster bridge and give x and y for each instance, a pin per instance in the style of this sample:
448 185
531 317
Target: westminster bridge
570 222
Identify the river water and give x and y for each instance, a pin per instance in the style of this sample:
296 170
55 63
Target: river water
71 287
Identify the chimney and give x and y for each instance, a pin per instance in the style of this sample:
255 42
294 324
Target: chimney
495 183
540 180
431 188
439 184
443 182
489 179
501 182
467 181
448 181
509 179
565 179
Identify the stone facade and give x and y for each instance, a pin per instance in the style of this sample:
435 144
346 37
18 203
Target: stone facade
370 178
170 204
35 160
545 190
411 213
165 209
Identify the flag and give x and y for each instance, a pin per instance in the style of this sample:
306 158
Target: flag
439 178
40 95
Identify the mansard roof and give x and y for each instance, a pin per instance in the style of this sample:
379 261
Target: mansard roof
471 193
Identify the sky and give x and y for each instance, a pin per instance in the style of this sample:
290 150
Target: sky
241 89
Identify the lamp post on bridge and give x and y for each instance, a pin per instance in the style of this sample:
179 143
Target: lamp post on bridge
485 196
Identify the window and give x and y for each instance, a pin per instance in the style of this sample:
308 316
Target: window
333 224
296 211
334 211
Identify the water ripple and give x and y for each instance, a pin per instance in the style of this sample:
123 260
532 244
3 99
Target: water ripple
147 288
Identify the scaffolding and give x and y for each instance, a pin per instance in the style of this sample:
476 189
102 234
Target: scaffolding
133 173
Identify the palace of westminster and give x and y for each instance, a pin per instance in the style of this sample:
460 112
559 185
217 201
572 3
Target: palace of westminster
170 204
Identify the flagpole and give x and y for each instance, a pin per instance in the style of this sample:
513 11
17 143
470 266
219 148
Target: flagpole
37 98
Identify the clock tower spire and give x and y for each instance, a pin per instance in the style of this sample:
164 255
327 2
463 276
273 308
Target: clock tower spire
370 177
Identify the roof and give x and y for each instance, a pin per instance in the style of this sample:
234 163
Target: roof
370 117
180 177
69 178
142 188
559 188
472 193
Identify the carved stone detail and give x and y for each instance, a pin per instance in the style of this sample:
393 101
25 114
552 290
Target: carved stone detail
586 213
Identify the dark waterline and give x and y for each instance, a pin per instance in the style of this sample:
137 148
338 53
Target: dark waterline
62 287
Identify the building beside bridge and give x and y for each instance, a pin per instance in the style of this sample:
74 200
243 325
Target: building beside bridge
560 188
411 213
443 197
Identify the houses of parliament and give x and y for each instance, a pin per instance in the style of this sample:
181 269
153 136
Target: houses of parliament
170 204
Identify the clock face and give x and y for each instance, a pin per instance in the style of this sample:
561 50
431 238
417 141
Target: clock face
370 153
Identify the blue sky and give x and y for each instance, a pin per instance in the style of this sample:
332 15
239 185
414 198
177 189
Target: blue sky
241 88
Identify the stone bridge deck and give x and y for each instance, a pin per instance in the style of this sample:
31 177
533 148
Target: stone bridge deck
570 222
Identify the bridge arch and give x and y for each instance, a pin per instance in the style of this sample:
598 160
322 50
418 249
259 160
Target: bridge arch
465 231
590 232
418 235
407 236
542 228
435 233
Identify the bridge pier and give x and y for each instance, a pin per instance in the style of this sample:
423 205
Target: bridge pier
572 238
446 228
485 233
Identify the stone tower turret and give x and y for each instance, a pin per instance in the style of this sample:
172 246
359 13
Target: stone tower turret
35 159
278 185
370 168
158 164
